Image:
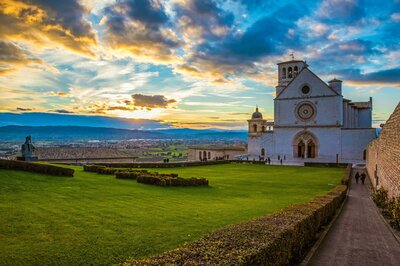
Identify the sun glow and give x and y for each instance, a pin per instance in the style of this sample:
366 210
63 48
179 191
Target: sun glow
142 113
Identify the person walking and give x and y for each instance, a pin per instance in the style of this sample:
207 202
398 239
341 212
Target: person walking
363 176
357 176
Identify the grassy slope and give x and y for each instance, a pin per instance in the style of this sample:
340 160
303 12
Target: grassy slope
98 219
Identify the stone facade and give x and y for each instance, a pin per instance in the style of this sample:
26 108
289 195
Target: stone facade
214 153
383 157
312 121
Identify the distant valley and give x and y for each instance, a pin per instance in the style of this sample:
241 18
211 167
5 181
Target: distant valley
83 133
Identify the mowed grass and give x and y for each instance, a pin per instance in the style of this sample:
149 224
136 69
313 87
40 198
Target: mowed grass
97 219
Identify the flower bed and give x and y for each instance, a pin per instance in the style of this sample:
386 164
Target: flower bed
37 168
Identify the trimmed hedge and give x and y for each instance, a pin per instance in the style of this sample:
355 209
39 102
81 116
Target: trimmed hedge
130 174
161 165
390 207
154 178
319 164
280 239
172 181
347 175
146 177
99 169
37 168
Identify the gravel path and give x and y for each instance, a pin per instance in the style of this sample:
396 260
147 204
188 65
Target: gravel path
359 235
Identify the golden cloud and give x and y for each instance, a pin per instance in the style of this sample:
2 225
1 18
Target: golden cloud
12 56
45 24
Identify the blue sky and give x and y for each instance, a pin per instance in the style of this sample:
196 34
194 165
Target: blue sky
189 63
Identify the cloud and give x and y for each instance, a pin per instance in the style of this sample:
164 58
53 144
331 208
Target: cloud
140 28
341 11
152 101
61 111
388 76
24 109
239 51
344 54
202 20
59 94
45 23
12 56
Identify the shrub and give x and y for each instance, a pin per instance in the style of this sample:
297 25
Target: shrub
35 167
280 239
390 207
91 168
380 197
154 178
394 208
106 170
127 174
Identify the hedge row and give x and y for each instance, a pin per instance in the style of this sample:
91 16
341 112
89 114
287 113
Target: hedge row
347 175
99 169
154 178
280 239
390 207
129 174
37 168
161 165
319 164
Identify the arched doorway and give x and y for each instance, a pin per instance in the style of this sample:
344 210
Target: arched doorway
305 145
310 149
301 149
262 152
204 155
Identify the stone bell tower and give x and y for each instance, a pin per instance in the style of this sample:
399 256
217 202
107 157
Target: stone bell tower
287 71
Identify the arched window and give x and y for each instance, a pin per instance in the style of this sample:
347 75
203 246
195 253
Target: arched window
296 70
284 72
262 152
365 155
290 73
200 155
263 129
255 128
204 155
209 155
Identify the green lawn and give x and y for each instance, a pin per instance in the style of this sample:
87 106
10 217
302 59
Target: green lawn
97 219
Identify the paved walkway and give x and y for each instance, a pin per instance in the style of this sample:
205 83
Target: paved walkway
359 236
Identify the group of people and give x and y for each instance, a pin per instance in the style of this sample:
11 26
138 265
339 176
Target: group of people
362 177
267 160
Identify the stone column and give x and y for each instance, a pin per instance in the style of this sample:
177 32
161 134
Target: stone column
305 150
351 117
356 118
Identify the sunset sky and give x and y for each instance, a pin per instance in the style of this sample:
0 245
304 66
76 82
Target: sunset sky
189 63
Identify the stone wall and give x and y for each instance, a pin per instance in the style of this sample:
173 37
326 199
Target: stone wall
198 154
383 157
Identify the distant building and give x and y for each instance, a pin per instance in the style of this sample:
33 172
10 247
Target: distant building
312 121
214 153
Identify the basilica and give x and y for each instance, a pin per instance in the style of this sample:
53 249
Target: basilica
312 121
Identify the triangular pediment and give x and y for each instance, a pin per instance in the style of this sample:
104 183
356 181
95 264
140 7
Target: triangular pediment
306 78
